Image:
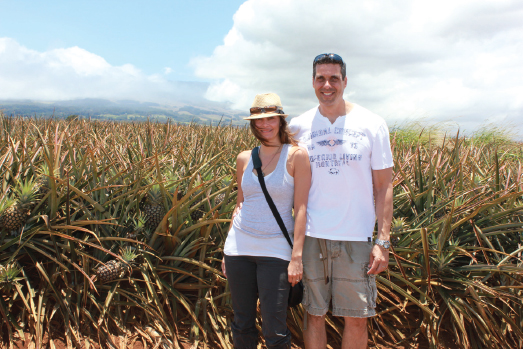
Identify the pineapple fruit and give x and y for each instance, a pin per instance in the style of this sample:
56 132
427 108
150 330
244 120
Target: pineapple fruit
219 199
154 209
115 268
198 212
6 205
16 214
109 271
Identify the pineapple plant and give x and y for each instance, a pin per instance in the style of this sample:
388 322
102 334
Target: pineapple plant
398 226
220 197
196 209
16 213
136 228
9 276
154 209
5 205
43 181
116 268
198 212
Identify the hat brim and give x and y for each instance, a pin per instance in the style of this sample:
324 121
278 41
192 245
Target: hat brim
264 115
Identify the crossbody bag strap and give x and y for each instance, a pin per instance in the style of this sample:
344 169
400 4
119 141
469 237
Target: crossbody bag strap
257 164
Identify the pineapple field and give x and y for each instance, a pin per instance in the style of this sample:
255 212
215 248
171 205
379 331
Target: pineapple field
112 234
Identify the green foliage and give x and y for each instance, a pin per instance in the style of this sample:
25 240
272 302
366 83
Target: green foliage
421 132
494 134
9 276
90 212
457 229
455 268
72 117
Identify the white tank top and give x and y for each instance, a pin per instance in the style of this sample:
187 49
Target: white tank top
255 231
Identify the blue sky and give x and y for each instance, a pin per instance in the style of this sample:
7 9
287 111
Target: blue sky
455 61
151 35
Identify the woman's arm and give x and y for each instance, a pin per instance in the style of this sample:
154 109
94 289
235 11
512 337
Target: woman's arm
241 163
300 169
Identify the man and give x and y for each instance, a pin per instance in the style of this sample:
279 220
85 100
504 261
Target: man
351 164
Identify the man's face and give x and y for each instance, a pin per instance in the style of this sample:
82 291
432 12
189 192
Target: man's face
328 84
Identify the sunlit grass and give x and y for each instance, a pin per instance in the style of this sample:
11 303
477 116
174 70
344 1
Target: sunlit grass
456 265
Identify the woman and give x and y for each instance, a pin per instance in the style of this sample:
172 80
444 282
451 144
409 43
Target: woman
258 260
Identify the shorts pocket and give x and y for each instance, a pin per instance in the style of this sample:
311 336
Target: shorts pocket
371 289
305 301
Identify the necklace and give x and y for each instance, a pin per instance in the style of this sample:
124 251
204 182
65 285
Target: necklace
279 149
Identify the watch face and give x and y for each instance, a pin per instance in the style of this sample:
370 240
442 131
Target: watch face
383 243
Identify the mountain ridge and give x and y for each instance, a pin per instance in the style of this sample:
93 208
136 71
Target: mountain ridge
123 110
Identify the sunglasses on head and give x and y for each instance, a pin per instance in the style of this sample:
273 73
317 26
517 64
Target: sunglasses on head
268 109
332 56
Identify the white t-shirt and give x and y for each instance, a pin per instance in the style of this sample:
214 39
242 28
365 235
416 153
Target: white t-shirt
342 156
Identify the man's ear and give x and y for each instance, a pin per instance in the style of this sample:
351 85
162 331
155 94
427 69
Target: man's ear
345 81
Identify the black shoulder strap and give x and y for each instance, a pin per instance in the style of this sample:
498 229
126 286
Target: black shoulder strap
257 166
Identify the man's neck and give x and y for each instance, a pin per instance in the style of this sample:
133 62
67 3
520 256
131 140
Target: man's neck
335 111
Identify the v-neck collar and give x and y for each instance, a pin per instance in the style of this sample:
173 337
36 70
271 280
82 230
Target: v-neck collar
326 119
277 165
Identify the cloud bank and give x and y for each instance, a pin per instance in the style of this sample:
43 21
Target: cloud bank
446 60
72 73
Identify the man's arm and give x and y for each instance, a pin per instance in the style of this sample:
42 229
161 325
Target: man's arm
301 171
382 183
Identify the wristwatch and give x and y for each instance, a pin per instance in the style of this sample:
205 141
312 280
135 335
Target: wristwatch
383 243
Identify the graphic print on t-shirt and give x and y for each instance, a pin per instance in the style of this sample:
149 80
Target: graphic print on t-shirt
331 142
341 200
333 152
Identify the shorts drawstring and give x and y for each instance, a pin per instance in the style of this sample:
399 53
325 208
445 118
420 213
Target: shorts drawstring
325 256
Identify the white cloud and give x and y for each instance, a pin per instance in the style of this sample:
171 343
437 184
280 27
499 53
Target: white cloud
71 73
450 59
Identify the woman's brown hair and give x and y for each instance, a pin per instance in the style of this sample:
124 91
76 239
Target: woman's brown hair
286 137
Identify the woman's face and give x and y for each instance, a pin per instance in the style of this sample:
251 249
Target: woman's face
268 127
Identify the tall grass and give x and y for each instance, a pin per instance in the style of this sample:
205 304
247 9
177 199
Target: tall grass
456 267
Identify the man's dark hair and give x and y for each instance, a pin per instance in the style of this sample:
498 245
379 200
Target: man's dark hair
329 59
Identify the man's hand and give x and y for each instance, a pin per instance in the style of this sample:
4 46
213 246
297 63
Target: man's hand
379 260
223 267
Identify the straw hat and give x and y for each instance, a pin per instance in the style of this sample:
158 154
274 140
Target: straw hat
265 100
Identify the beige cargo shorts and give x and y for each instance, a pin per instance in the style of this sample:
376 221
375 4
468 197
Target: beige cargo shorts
352 291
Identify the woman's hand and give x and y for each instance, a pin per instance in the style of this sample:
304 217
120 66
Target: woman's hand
236 210
295 271
223 267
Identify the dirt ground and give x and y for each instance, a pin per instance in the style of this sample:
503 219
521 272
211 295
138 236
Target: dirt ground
60 343
137 342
